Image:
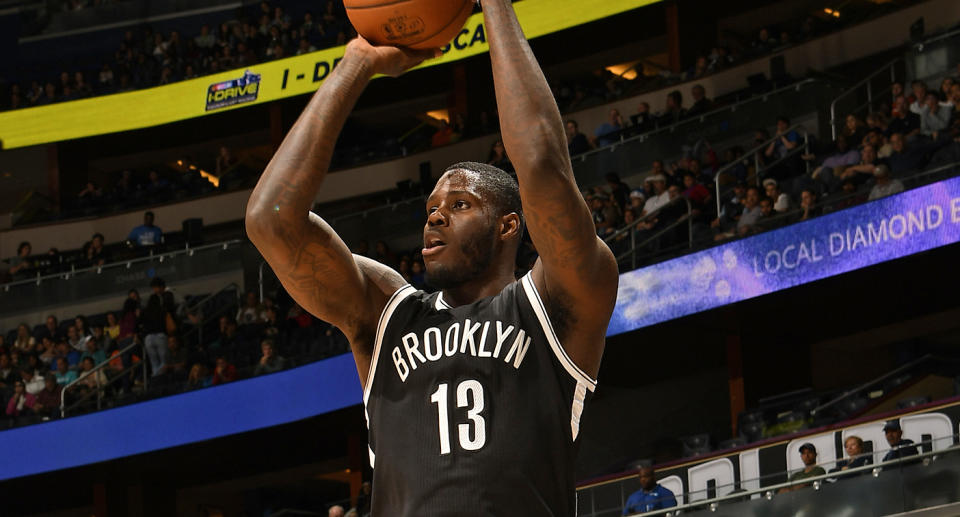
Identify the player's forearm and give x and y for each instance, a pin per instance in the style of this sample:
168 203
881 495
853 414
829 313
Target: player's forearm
529 119
286 191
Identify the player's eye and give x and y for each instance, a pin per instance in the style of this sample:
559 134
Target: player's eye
431 210
460 204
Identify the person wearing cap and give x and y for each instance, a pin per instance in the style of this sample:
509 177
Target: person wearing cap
900 447
808 454
781 201
637 200
885 185
651 496
660 195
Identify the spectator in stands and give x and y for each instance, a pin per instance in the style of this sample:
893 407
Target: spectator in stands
8 373
146 234
701 104
808 454
64 374
781 201
335 511
808 205
205 40
919 95
660 197
850 196
270 362
112 329
619 190
885 185
48 351
252 312
605 215
418 275
75 340
48 400
609 132
498 157
21 403
94 252
934 118
32 378
651 496
199 377
855 455
900 447
577 142
224 372
853 130
51 329
673 110
903 120
786 141
178 358
90 379
94 352
643 120
22 260
24 342
769 218
863 170
155 319
904 157
696 192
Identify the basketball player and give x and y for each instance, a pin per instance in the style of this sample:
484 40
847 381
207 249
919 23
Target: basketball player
474 394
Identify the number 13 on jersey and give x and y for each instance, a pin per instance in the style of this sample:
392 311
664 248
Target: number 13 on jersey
473 434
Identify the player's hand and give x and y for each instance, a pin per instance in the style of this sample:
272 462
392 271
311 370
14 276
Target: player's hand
387 60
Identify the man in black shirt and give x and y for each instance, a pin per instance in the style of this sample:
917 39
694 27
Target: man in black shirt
155 323
900 447
577 142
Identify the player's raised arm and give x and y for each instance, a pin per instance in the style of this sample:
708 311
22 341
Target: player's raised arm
310 259
576 273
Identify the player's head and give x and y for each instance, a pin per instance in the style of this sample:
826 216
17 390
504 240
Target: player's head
474 224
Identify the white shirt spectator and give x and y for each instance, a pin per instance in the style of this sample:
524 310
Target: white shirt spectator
656 202
35 385
887 189
932 122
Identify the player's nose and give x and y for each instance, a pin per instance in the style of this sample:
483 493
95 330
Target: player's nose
436 218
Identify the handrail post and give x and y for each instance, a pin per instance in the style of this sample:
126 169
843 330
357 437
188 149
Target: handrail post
716 181
689 225
633 248
260 279
870 94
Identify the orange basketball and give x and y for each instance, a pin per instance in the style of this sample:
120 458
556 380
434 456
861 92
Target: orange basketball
409 23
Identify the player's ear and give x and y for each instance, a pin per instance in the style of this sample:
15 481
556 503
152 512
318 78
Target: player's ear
511 225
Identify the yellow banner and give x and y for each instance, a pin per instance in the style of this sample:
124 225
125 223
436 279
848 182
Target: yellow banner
262 83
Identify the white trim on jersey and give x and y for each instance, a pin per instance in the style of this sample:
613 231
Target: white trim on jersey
538 308
373 457
576 409
440 304
388 309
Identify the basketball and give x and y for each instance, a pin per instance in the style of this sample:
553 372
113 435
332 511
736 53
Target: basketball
409 23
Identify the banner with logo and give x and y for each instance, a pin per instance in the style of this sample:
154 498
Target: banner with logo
263 82
861 236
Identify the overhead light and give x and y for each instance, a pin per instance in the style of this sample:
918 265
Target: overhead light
439 114
193 167
626 70
828 10
180 163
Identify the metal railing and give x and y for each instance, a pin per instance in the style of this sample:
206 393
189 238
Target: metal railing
99 389
815 482
127 264
868 81
754 152
632 230
696 119
203 317
868 384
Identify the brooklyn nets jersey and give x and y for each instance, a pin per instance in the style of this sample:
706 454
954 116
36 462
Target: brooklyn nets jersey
472 410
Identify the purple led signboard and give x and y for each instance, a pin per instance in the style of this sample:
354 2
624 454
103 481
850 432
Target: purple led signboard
882 230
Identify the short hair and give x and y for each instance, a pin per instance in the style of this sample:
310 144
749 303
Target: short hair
148 213
157 282
501 187
24 244
854 438
677 97
574 122
783 118
97 235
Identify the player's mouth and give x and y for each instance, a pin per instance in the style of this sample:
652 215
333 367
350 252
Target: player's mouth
432 247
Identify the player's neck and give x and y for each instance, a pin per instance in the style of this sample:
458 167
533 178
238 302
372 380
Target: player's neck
478 289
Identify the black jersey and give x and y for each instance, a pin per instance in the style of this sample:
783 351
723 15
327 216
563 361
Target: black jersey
472 410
